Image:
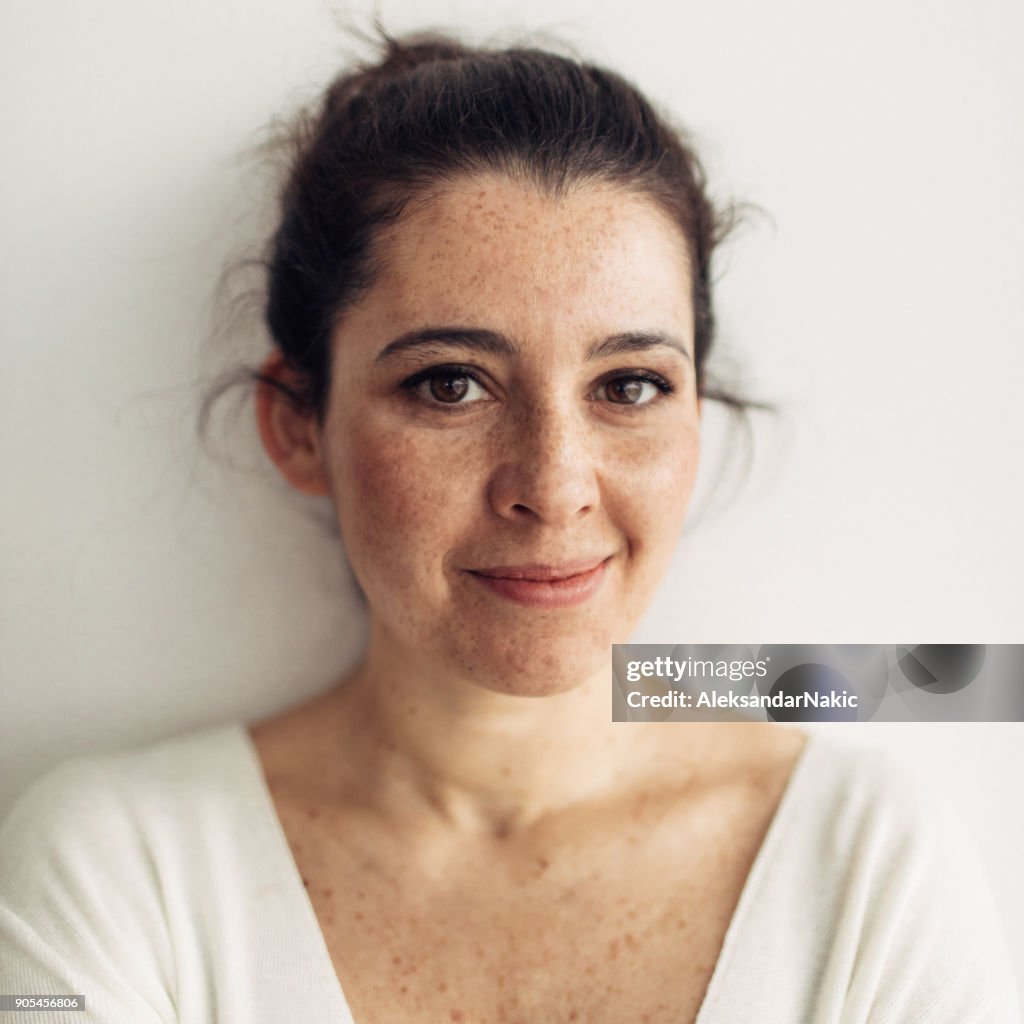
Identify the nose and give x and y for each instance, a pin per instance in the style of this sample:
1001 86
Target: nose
546 470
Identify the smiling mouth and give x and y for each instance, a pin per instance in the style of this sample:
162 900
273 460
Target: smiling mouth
544 586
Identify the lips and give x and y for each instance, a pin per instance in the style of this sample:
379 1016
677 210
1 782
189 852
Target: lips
542 585
541 572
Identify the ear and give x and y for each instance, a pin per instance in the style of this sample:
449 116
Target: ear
290 434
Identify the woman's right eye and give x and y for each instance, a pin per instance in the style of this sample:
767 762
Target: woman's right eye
447 386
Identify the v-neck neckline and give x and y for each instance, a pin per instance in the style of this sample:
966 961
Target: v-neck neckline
299 897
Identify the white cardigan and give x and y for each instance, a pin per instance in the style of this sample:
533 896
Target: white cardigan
158 884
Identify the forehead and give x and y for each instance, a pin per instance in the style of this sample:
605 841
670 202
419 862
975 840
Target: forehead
489 251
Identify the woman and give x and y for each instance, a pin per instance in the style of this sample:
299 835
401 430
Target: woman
490 299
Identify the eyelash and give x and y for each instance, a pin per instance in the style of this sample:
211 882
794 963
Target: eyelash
450 370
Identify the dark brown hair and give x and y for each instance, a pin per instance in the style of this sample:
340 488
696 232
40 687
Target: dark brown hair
430 110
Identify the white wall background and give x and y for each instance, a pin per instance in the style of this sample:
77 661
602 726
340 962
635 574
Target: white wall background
148 589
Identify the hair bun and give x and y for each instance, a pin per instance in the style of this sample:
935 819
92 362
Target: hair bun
396 58
401 55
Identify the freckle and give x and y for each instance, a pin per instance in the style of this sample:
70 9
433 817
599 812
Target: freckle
314 813
396 960
573 1015
359 915
631 940
543 864
457 1015
404 989
443 987
328 893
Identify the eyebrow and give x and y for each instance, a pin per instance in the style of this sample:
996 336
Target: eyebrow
496 344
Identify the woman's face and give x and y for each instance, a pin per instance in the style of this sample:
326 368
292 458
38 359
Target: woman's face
513 428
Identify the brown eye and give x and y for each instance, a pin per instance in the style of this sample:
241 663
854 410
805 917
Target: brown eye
447 385
626 391
630 391
449 388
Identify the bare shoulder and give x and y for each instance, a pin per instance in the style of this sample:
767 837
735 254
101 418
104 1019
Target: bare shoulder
768 753
295 744
753 753
742 769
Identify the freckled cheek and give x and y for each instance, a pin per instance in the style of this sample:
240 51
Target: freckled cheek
652 487
396 498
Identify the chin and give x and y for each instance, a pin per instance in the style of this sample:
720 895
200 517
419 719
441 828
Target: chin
539 666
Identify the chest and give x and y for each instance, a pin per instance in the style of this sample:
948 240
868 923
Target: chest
626 928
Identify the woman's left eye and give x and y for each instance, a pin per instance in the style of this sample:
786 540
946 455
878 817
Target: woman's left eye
632 390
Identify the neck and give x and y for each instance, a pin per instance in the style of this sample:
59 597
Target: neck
428 742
